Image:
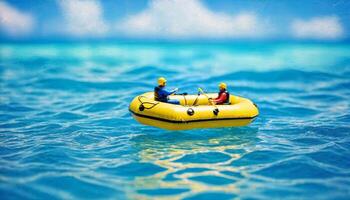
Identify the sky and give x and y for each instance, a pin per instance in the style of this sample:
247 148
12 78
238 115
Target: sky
325 20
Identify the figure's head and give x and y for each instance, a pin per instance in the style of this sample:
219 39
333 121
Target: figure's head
161 81
222 86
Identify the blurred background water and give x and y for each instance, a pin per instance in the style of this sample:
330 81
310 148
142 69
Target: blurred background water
66 133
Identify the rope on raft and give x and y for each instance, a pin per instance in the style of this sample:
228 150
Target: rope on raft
143 103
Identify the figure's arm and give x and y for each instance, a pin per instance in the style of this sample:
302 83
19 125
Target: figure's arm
174 90
217 97
167 93
171 92
221 98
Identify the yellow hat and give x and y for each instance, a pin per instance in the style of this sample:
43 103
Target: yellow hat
223 86
161 81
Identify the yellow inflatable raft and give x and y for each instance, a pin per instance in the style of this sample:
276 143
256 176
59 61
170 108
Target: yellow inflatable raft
195 111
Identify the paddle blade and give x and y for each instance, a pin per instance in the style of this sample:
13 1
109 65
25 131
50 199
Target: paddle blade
200 90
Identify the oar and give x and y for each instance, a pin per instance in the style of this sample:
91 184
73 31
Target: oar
184 94
216 110
201 91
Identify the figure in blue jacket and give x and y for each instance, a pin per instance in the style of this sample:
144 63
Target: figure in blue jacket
160 94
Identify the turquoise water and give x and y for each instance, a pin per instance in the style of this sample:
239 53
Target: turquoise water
66 133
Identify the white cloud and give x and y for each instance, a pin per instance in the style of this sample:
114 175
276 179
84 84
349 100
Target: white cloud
189 19
326 27
14 22
83 18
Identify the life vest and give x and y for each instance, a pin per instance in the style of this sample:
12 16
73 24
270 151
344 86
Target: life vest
157 97
227 96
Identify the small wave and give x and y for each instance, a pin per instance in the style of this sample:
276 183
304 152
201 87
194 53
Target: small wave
258 157
15 108
277 76
84 188
101 106
149 70
211 195
343 86
163 191
296 169
212 180
133 169
69 116
82 86
209 157
330 157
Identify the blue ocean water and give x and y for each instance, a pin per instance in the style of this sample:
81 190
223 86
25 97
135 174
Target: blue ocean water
66 133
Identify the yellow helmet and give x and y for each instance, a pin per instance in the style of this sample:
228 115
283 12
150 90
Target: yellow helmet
161 81
222 86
